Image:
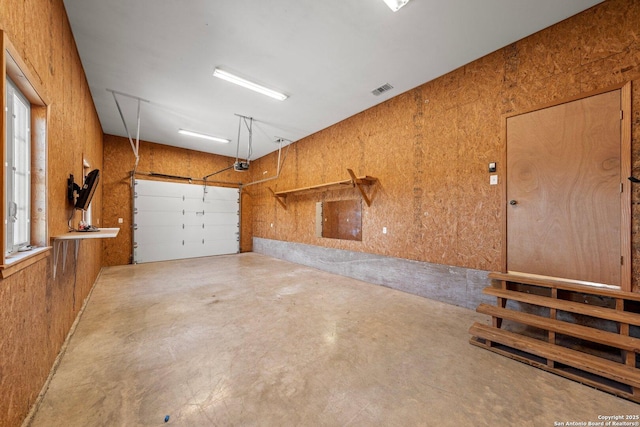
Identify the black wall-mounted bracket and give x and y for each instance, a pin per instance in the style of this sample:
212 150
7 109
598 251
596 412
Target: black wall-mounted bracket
72 189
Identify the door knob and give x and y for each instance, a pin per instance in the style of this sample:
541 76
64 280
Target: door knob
513 202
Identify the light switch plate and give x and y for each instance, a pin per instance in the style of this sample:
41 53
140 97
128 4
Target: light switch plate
493 180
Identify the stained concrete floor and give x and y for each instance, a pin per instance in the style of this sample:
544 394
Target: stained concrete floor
251 340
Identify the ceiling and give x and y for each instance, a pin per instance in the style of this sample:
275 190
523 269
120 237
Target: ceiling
326 55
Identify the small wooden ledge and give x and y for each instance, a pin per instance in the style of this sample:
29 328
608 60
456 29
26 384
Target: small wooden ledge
77 237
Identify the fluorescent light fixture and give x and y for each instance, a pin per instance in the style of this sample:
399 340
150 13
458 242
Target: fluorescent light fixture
249 85
204 136
395 5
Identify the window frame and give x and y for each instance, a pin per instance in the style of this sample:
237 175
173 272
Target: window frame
15 68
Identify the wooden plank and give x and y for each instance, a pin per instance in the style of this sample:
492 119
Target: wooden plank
618 372
565 285
584 379
346 183
501 302
557 326
570 306
623 329
553 313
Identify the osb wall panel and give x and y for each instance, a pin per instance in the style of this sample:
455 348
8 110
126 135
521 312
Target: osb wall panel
37 310
119 161
31 330
430 147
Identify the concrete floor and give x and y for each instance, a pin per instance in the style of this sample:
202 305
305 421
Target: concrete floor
251 340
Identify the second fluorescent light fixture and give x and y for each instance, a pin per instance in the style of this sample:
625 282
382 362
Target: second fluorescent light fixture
224 75
395 5
203 136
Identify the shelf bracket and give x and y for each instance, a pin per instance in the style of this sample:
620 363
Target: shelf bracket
56 254
358 183
76 236
279 199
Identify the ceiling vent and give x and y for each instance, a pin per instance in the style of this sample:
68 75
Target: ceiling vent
384 88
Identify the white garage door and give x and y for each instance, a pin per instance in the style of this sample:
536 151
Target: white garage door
176 221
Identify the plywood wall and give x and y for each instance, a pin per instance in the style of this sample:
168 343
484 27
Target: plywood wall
119 161
430 147
36 310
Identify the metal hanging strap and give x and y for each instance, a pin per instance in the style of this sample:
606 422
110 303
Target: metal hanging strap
134 146
249 127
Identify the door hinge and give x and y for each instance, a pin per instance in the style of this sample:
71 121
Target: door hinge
622 260
621 187
621 114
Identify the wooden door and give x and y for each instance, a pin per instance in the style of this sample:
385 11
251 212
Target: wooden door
564 190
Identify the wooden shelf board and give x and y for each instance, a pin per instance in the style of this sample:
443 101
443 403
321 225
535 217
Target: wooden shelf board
77 237
358 182
581 287
583 361
584 333
347 183
566 305
102 233
602 383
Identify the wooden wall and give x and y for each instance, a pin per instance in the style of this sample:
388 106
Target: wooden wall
119 161
37 311
430 147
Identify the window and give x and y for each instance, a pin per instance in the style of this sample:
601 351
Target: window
23 132
18 170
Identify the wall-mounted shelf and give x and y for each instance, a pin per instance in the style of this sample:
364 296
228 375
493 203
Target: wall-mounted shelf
354 181
76 237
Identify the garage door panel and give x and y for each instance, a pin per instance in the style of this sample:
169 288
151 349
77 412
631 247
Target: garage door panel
158 189
207 247
174 222
193 205
226 219
158 253
221 206
159 234
158 203
210 232
219 218
150 218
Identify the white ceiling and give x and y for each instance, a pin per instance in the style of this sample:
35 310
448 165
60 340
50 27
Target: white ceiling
327 55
